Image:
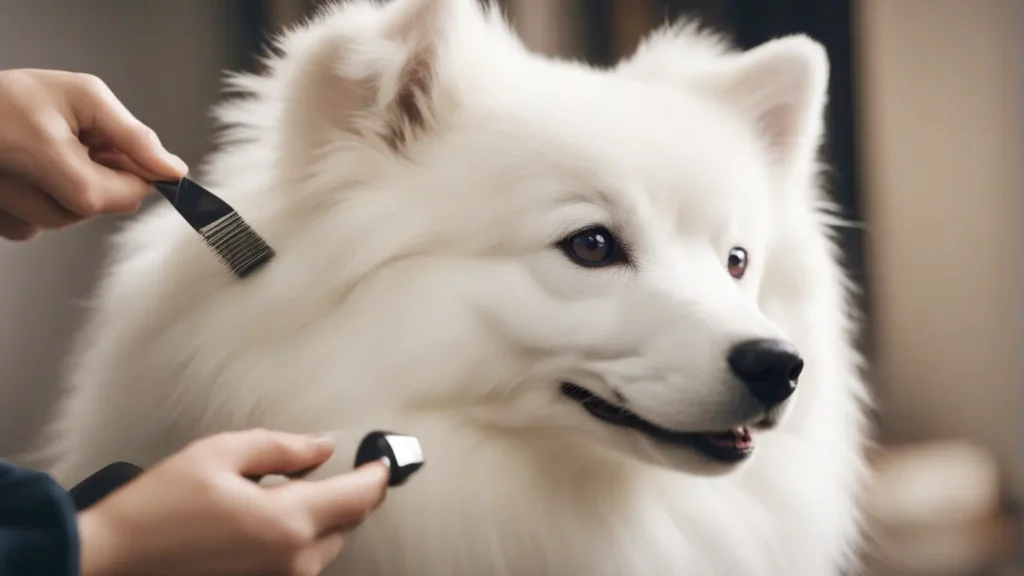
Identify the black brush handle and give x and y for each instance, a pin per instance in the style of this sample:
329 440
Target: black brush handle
197 205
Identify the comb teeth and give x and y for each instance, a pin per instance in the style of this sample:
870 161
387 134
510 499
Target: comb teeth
237 244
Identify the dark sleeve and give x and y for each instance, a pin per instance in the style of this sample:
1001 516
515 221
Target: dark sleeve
38 527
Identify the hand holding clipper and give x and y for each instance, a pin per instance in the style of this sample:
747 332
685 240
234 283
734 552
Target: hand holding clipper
193 513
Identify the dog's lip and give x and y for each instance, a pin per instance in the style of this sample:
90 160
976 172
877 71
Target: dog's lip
725 446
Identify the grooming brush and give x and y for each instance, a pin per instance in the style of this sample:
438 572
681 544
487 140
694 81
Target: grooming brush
99 485
238 245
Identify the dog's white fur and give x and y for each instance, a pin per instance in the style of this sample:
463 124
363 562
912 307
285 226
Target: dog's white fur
414 165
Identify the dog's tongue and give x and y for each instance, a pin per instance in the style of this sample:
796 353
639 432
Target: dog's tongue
738 438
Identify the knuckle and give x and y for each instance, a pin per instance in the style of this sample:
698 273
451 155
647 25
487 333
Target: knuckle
87 201
293 536
144 134
277 444
210 487
273 442
126 205
304 565
91 84
50 130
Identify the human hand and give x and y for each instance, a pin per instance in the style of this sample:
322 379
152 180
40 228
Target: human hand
197 513
70 151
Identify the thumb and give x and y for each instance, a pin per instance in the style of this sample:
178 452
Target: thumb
343 501
262 452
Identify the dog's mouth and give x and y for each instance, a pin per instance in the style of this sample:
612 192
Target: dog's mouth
729 446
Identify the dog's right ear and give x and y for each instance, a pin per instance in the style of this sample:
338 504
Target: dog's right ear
366 71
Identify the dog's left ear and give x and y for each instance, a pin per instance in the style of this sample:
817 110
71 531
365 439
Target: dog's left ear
782 87
779 86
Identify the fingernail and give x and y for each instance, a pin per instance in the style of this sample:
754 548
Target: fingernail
323 440
177 163
375 470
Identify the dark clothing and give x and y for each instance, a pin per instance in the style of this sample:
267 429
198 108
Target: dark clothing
38 526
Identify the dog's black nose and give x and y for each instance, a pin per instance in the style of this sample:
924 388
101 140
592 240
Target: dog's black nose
768 367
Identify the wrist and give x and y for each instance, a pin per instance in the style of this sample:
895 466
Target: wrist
100 549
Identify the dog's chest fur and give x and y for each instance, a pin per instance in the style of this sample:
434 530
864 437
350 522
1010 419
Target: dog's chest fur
505 512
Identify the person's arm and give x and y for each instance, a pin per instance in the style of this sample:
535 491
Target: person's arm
38 526
196 512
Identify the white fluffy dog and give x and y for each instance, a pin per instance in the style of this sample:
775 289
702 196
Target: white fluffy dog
590 293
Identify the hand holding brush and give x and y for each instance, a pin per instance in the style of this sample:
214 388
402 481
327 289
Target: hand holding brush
71 151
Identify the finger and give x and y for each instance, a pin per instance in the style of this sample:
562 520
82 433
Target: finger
30 204
119 162
84 187
262 452
16 229
103 191
344 501
317 557
103 116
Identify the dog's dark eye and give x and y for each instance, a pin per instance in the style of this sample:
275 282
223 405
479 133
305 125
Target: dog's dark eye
737 263
592 248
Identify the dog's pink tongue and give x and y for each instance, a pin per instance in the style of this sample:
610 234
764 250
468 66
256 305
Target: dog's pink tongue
736 438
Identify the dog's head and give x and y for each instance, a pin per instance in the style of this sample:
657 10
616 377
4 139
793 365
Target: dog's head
540 243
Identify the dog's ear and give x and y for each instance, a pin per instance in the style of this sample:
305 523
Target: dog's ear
782 87
779 86
367 71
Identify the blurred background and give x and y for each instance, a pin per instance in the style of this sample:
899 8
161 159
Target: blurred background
926 142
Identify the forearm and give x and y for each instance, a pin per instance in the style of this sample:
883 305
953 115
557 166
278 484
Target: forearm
99 547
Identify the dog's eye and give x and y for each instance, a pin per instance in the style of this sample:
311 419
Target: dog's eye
737 263
592 248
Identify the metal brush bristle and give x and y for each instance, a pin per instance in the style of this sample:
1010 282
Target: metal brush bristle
238 245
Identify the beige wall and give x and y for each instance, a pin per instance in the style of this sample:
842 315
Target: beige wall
941 100
162 57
